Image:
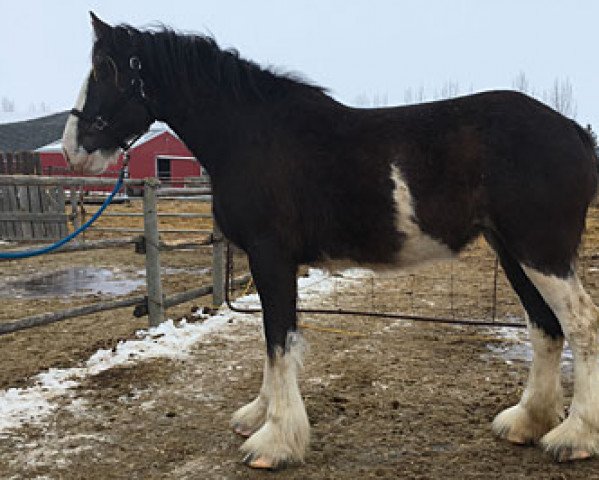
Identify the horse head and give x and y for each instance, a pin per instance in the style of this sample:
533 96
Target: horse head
112 107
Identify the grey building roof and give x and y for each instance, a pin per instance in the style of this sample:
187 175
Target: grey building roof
31 134
155 129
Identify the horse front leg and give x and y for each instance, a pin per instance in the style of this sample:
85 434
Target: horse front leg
276 419
249 418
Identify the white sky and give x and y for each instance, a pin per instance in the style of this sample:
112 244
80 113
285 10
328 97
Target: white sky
353 47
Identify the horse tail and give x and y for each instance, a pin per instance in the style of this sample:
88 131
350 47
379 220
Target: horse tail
587 139
591 147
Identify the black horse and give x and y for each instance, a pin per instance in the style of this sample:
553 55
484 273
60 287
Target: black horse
299 178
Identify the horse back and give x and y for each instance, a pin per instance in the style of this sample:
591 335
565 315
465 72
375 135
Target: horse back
356 184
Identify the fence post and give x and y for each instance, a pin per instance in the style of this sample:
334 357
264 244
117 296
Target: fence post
151 236
218 265
74 198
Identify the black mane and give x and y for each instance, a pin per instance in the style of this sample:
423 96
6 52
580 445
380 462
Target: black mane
199 59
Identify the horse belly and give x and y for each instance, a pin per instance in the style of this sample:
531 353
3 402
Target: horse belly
417 249
416 246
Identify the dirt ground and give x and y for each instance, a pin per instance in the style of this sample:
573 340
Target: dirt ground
74 340
386 398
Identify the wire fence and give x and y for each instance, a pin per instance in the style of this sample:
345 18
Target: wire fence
471 289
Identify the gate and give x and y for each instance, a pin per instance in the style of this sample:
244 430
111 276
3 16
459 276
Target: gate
31 212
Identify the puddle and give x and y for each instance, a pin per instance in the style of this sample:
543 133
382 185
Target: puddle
176 271
518 348
71 281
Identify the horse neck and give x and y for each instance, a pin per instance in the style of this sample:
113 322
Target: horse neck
199 123
216 120
214 125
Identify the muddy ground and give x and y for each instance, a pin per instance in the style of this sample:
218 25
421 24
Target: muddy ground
70 341
386 398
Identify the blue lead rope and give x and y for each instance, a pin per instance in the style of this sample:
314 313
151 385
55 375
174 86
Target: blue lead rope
68 238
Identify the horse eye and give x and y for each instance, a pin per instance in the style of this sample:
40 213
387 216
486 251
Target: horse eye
102 70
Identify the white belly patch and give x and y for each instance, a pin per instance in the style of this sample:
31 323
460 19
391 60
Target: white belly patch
417 246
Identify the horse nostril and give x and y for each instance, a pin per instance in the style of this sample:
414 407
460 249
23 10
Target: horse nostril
73 168
66 156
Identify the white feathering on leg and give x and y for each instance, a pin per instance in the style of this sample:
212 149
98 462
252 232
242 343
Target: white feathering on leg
286 434
252 416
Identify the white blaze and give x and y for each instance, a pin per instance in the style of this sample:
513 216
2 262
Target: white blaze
82 161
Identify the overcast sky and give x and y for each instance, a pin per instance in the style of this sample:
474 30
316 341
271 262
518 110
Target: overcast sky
376 49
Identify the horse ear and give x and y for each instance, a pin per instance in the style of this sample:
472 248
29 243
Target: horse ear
101 29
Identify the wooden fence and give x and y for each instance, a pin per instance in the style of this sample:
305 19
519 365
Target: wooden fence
32 212
24 163
29 212
154 302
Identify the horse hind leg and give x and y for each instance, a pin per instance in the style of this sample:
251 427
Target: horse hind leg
540 408
578 436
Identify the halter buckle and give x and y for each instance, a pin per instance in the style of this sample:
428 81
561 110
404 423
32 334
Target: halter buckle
99 123
135 63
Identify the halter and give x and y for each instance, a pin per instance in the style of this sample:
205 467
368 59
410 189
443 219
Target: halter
135 91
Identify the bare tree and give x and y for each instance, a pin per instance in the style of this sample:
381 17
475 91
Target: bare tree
362 100
7 105
592 134
377 100
408 96
450 89
560 96
380 100
414 95
521 83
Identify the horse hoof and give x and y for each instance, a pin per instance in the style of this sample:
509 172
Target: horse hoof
572 455
262 463
517 439
517 426
242 430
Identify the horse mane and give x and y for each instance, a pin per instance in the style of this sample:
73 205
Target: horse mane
199 59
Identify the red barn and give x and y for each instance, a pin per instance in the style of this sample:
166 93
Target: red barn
158 153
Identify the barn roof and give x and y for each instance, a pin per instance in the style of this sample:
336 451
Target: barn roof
31 134
155 130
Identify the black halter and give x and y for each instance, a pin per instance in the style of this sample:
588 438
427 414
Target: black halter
135 92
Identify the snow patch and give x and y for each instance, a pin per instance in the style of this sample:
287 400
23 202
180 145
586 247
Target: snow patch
33 404
517 347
